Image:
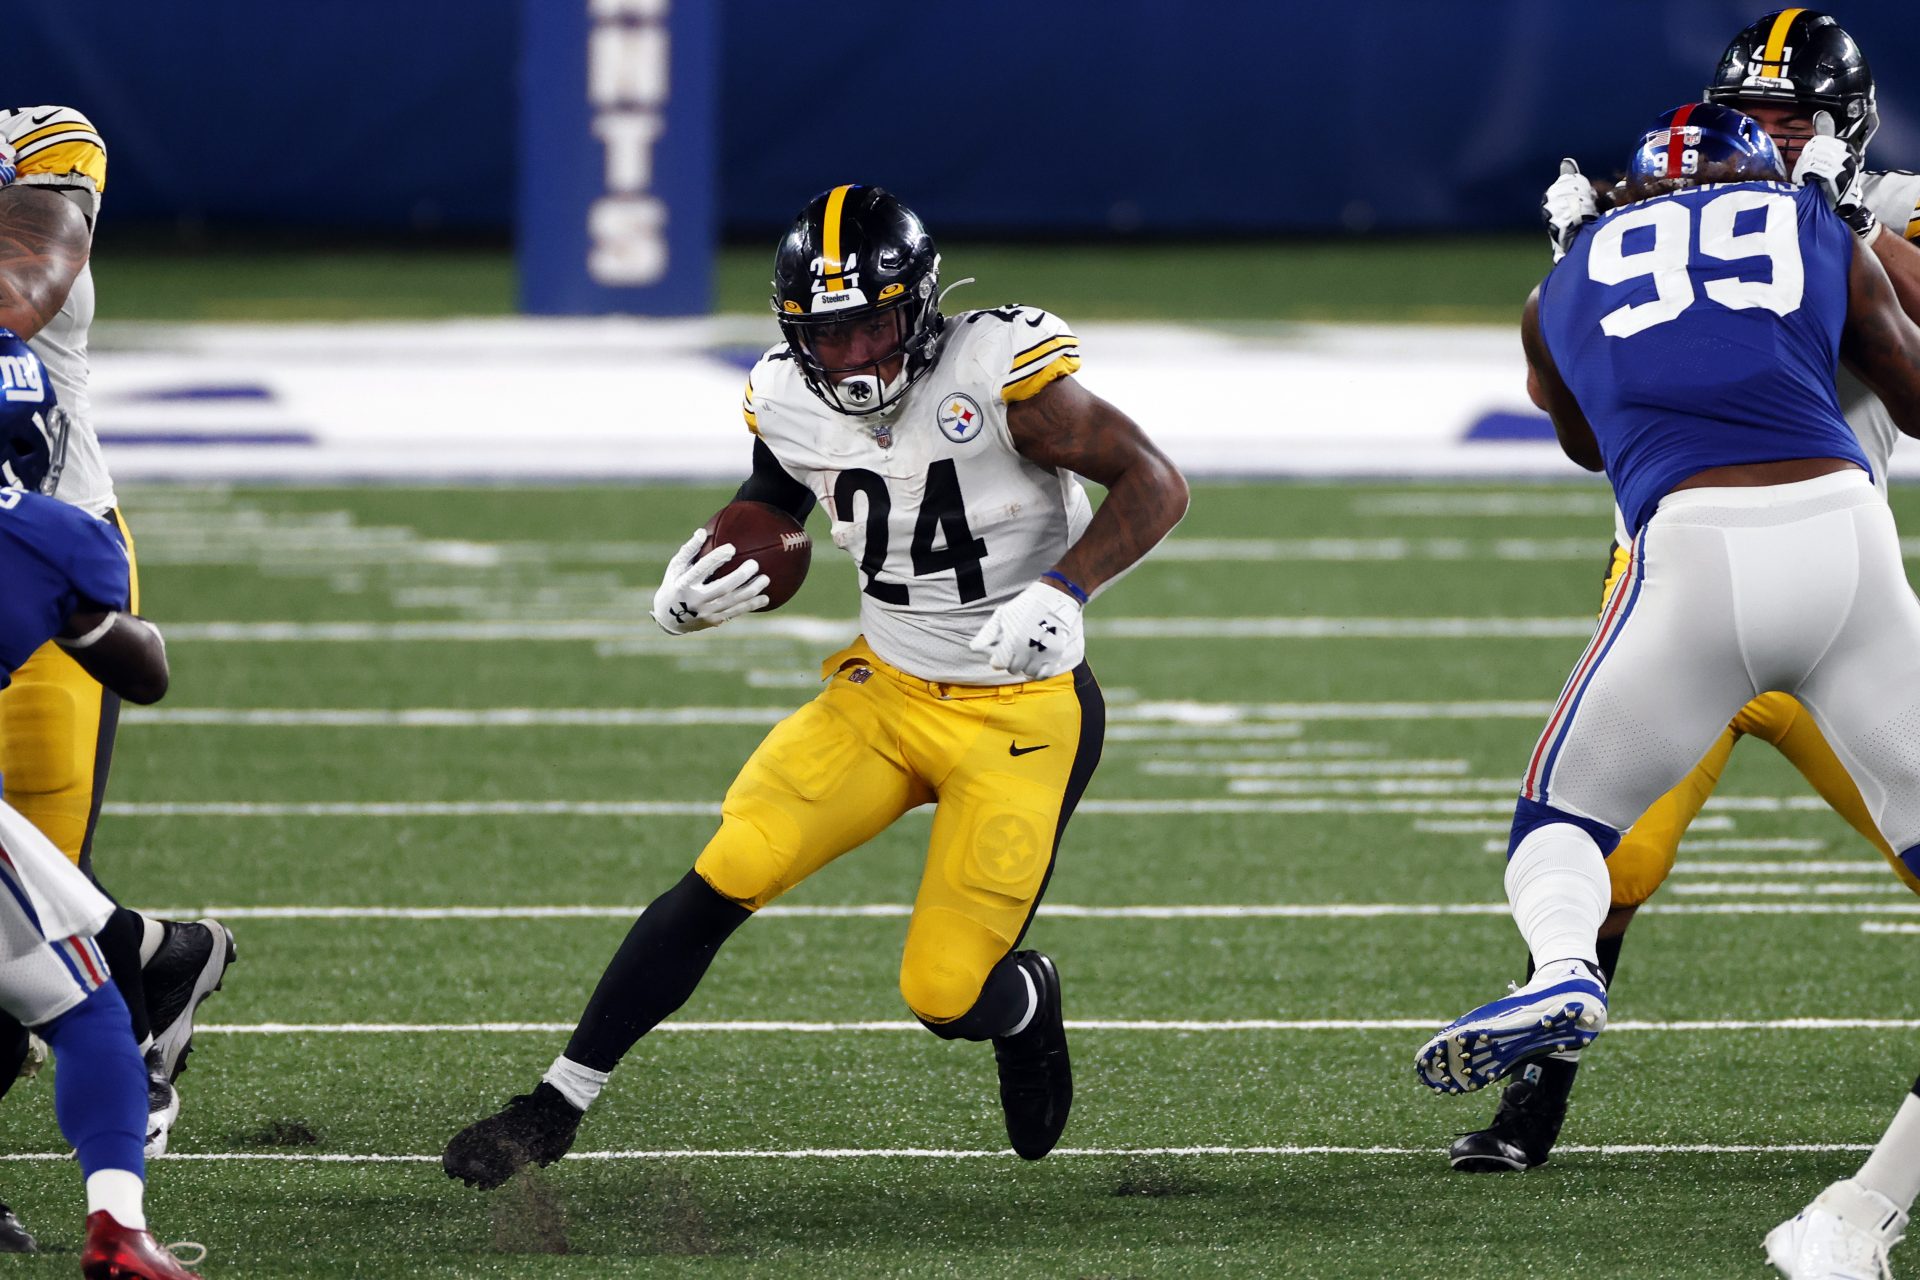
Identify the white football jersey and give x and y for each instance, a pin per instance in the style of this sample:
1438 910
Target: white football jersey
57 147
944 519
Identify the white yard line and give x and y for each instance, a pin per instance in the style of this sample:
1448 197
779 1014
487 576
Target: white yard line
1182 1026
1058 911
962 1153
1271 719
1887 926
1789 888
816 630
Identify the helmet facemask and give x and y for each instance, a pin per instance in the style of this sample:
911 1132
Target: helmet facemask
844 354
33 452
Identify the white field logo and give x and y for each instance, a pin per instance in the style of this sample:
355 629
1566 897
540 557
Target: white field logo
21 380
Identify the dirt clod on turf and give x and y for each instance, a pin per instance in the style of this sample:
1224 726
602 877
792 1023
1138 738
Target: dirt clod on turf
528 1216
670 1216
1151 1178
281 1133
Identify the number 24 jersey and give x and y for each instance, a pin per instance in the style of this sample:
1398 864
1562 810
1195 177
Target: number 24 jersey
943 517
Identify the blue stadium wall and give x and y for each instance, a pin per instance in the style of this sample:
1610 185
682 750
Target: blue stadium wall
993 116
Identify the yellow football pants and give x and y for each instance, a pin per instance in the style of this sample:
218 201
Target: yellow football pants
56 738
1646 853
1005 767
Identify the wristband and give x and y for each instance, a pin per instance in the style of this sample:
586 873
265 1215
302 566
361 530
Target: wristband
1073 588
88 640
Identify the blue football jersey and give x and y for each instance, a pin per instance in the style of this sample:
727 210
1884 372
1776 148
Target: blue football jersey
1702 329
55 561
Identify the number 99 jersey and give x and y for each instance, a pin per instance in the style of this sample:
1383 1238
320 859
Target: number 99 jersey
944 518
1702 329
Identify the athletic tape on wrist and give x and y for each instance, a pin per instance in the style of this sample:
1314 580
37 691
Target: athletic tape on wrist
92 637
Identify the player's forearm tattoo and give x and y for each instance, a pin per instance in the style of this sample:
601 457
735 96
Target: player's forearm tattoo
43 245
1068 426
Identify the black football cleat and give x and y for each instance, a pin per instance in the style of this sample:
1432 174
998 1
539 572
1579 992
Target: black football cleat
14 1236
533 1128
1036 1077
1525 1126
190 965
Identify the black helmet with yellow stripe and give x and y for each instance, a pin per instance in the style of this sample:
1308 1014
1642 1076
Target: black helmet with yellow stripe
855 285
1802 58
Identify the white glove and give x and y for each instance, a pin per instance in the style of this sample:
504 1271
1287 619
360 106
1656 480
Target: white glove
686 601
1568 205
1827 160
1036 634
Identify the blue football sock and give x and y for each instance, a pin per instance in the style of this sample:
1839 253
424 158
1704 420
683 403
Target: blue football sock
100 1083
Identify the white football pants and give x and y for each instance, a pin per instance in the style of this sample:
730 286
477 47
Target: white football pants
1732 593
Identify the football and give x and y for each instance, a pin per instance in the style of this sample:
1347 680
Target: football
769 535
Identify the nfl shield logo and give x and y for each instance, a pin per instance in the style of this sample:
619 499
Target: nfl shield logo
960 418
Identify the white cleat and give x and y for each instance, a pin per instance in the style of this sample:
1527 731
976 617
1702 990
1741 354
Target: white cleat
1563 1008
163 1105
1843 1235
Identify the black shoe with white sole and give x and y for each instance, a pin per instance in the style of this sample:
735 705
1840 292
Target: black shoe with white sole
190 965
1036 1076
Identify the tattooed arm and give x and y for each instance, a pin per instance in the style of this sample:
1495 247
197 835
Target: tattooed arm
1880 343
44 243
1065 425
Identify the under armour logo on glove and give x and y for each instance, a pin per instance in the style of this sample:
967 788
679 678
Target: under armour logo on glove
683 613
1035 635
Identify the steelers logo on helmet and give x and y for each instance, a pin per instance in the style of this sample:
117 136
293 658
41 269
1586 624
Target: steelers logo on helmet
1802 59
854 288
1702 142
33 427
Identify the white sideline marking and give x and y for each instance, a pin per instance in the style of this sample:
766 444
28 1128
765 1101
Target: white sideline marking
1887 926
757 1026
1266 719
1061 911
1494 827
1303 769
1788 888
1709 867
936 1153
835 630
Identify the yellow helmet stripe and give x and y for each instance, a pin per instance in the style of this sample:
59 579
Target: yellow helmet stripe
830 234
1777 41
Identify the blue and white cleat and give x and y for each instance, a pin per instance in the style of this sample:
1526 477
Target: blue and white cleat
1562 1009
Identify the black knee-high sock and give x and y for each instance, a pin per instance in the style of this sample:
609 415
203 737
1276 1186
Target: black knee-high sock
662 960
119 942
13 1051
1003 1002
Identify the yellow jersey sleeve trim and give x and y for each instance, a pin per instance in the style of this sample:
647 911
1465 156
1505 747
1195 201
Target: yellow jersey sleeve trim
1913 226
747 410
1031 385
77 158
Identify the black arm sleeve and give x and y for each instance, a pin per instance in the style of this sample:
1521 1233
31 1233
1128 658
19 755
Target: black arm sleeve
771 484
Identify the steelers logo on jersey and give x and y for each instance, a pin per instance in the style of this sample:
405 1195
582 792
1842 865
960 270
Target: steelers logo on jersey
960 418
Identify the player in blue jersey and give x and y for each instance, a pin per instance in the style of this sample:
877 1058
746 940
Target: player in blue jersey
65 576
1687 344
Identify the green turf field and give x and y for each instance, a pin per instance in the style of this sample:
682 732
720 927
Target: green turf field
1436 280
1321 697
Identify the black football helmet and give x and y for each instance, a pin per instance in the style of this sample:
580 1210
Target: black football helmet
1800 57
856 285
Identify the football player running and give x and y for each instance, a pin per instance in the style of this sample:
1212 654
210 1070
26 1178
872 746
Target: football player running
1762 559
1809 86
57 723
66 576
946 451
